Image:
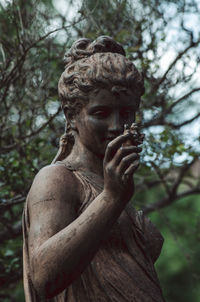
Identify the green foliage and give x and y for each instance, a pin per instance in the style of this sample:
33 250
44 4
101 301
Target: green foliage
10 260
178 267
31 52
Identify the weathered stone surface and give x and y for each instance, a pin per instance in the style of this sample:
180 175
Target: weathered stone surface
83 241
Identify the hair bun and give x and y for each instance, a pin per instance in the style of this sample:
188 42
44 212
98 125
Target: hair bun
84 48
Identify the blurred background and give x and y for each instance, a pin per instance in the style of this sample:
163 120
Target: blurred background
162 38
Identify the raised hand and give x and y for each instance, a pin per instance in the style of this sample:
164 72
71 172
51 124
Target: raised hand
120 163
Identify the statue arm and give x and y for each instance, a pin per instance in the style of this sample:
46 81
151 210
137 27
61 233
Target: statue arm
61 245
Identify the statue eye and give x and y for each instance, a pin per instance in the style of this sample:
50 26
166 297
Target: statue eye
101 113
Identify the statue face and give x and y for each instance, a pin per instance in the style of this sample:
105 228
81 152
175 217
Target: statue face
103 118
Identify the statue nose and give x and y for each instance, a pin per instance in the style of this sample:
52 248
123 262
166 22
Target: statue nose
116 124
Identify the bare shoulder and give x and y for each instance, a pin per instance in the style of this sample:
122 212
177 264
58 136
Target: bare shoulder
53 182
51 202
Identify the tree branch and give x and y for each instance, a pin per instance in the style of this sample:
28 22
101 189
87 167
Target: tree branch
179 56
33 133
161 176
11 202
169 109
181 174
160 121
43 126
169 200
172 192
176 126
32 45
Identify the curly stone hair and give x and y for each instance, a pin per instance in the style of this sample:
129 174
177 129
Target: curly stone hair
90 66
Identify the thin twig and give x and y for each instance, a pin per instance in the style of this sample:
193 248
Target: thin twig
169 200
11 202
185 96
179 56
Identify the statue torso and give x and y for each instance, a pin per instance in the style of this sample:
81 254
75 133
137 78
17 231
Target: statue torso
122 269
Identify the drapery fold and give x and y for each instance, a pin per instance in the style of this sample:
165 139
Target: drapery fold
122 270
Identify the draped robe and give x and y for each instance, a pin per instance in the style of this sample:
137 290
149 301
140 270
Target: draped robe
122 270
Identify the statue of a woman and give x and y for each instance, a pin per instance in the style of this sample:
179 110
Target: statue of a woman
83 241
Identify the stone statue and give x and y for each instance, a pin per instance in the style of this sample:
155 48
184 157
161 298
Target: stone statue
83 241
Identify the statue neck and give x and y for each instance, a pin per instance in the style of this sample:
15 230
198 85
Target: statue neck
84 159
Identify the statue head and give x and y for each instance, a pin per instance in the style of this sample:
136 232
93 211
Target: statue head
91 66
